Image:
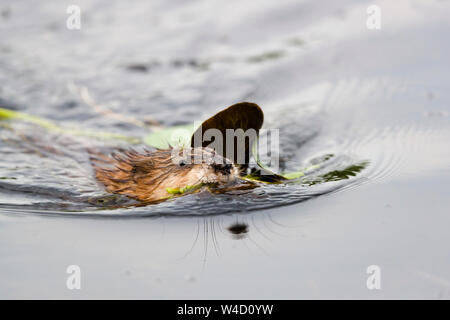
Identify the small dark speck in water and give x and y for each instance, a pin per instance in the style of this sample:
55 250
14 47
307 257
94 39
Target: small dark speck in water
8 178
193 63
238 230
69 104
138 67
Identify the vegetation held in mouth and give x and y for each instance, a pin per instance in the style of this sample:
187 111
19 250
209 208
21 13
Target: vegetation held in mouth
183 190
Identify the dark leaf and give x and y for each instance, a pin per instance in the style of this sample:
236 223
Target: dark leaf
243 115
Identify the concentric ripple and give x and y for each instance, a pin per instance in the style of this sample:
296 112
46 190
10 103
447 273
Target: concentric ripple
45 173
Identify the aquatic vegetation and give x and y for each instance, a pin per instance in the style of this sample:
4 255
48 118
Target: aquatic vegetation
266 56
6 114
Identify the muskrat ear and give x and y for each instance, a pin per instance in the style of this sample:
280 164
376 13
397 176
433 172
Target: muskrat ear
244 115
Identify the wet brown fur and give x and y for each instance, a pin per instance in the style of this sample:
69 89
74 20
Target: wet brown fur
145 176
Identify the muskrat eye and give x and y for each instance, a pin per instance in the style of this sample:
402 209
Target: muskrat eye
182 163
223 168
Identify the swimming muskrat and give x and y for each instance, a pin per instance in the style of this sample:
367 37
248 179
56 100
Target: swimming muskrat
155 175
152 175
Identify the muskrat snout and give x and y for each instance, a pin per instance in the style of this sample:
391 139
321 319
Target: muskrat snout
222 168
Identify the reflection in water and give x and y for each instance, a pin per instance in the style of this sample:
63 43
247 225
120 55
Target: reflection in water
337 175
254 232
238 230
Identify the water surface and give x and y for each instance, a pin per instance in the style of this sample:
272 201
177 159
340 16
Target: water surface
332 86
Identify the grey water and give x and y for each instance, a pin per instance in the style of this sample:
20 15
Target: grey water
331 85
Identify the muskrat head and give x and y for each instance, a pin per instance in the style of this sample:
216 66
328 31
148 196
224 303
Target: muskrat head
204 165
146 176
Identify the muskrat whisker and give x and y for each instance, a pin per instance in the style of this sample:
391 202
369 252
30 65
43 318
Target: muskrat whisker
197 235
214 238
205 240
